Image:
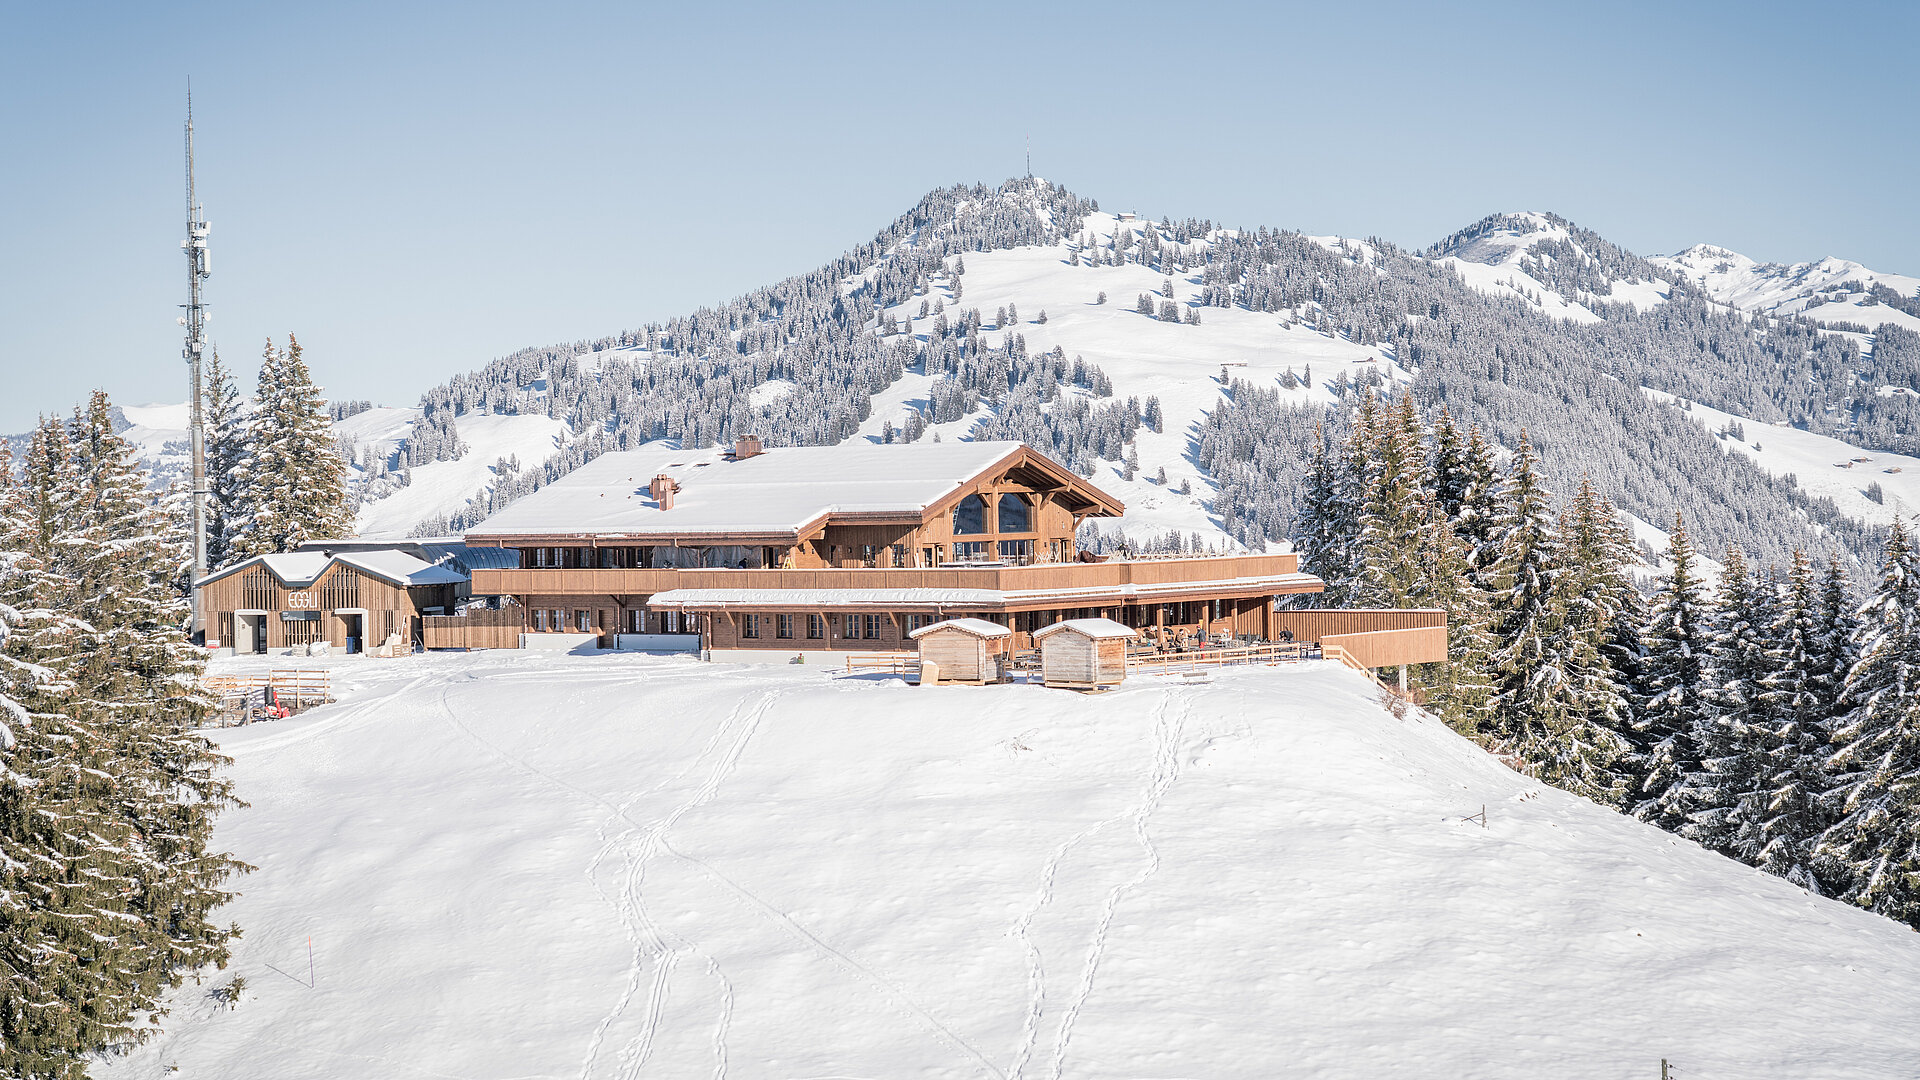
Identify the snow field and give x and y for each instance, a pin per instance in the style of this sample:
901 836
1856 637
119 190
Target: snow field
1178 363
442 488
518 865
1781 289
1816 462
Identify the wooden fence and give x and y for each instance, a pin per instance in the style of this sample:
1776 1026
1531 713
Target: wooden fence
292 687
478 629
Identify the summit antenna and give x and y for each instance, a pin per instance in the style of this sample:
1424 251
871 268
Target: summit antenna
1029 157
198 270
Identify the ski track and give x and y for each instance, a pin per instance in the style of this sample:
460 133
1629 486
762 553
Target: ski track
641 927
649 939
322 726
1166 769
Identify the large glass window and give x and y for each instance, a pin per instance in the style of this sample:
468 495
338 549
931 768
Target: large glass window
1015 515
873 627
970 550
750 626
1017 551
816 626
783 626
852 627
970 516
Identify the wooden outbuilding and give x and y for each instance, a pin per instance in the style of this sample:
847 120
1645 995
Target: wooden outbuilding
360 601
1084 654
964 650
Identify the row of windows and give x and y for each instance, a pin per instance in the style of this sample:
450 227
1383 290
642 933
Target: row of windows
864 627
581 621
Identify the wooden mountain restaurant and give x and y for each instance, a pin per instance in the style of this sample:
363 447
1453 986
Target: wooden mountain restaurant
853 548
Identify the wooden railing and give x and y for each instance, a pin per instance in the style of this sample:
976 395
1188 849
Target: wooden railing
1202 659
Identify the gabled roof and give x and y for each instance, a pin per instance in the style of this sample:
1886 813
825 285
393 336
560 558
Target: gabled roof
979 628
1093 628
782 493
295 569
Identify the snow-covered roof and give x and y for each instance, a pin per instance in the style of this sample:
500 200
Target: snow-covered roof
1098 629
400 568
298 568
782 491
977 627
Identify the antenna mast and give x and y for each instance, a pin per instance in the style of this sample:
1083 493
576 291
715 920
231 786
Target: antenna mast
198 269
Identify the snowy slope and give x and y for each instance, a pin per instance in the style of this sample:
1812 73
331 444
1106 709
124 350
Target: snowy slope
1177 362
1821 465
521 865
1490 263
441 488
1781 289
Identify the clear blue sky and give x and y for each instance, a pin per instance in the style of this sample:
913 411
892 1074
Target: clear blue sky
414 190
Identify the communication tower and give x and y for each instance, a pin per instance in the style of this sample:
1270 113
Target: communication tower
199 268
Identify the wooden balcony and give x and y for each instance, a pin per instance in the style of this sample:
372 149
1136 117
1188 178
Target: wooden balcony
1235 574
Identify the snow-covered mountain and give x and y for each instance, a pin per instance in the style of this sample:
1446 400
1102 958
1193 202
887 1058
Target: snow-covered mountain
511 864
1027 312
1828 291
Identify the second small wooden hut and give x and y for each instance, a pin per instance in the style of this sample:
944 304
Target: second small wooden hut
965 650
1083 654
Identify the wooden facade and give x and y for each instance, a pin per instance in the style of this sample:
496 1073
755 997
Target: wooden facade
966 650
1084 654
1171 601
253 610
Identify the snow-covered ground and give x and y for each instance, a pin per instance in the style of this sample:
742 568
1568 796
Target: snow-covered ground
1820 464
441 488
1781 289
534 865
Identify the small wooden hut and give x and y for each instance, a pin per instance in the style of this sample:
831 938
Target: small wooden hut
965 650
1083 654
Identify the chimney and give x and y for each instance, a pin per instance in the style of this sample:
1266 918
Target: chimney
662 490
746 446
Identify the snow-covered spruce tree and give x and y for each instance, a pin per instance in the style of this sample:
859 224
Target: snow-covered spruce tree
1463 686
122 789
1780 830
1876 797
1837 641
296 483
1737 739
1330 527
1594 598
1673 702
1394 514
227 457
1526 620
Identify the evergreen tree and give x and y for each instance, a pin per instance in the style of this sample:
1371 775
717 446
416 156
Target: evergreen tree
1595 599
1462 687
1394 514
111 795
227 452
296 483
1876 838
1736 741
1330 544
1781 830
1675 695
1525 618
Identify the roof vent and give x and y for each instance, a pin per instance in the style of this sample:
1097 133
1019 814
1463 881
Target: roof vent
662 489
746 446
